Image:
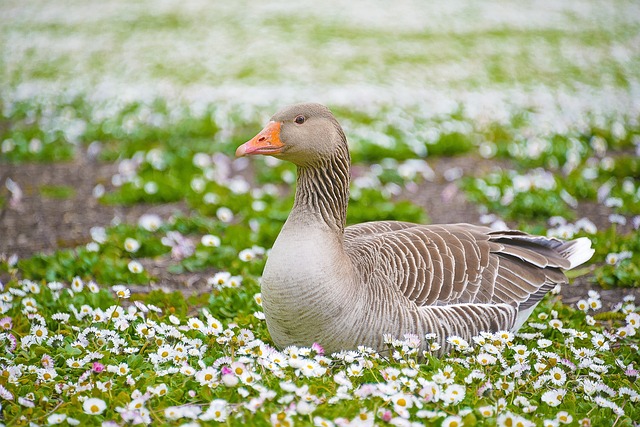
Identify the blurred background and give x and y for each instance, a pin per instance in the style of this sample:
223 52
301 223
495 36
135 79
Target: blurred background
580 56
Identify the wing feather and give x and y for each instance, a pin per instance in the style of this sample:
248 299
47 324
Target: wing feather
459 263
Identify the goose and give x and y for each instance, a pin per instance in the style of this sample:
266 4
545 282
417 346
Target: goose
344 287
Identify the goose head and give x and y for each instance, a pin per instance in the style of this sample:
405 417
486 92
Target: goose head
304 134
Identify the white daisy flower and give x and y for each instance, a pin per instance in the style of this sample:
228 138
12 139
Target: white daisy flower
121 291
210 240
553 397
150 222
94 406
77 284
224 214
131 245
135 267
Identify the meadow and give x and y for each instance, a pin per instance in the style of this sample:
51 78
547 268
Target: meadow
524 115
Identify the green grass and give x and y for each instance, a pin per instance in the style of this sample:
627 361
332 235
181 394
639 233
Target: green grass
168 92
57 191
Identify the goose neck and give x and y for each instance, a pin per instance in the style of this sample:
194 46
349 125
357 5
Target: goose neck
323 190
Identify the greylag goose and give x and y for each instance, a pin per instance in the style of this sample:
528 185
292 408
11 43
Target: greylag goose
343 287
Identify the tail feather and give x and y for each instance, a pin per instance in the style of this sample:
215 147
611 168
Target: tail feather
577 251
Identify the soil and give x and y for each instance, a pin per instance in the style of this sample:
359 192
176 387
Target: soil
45 224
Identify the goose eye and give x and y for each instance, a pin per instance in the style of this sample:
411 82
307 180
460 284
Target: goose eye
299 119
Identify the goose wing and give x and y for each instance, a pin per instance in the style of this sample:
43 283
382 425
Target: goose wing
459 263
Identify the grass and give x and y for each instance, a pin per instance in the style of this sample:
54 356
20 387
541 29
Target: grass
544 94
57 191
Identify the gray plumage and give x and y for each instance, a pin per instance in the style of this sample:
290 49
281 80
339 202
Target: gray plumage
348 286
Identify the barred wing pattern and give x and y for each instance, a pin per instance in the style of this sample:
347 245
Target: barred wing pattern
444 265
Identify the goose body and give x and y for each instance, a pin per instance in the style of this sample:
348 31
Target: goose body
343 287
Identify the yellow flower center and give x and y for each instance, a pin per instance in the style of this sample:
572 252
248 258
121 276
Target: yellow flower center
402 402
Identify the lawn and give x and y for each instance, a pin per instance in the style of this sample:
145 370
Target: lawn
501 113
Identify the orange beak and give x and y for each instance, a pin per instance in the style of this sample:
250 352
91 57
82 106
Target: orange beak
266 142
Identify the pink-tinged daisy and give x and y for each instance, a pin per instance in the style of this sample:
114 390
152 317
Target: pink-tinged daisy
5 394
6 323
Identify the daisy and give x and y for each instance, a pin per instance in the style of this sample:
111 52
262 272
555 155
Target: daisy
219 279
131 245
506 386
214 326
224 214
247 255
564 417
56 419
582 305
195 324
5 394
453 394
544 343
77 284
150 222
486 411
633 320
594 303
452 421
557 376
311 368
159 390
39 333
6 323
599 342
445 376
94 406
121 291
217 411
210 241
165 352
173 413
486 359
321 422
61 317
258 299
75 363
555 323
235 281
553 397
458 343
507 419
207 376
135 267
